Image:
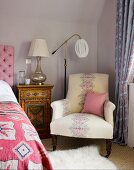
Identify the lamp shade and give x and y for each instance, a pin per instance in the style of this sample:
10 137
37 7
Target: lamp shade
81 48
38 48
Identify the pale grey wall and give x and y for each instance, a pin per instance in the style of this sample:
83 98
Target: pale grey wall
106 43
19 27
19 31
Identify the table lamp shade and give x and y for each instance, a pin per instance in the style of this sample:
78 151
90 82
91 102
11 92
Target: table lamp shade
38 48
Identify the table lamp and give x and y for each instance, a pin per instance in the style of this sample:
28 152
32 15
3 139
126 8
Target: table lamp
38 49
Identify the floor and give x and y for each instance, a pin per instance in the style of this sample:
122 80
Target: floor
121 156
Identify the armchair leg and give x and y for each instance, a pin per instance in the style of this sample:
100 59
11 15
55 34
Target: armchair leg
108 147
54 142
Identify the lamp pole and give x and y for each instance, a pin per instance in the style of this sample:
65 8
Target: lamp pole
65 71
66 42
65 77
65 60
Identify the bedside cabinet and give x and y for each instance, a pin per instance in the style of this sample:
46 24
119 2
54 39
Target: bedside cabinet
36 100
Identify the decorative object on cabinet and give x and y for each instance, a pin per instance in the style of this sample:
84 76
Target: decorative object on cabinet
38 49
28 71
81 49
36 100
21 77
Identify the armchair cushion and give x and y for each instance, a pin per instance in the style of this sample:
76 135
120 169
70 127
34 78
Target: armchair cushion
94 103
82 126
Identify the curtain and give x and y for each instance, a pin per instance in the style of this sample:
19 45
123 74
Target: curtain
124 66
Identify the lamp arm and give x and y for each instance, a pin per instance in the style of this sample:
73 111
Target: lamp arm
66 41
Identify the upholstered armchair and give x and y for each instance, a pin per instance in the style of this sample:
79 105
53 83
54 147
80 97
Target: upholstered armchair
68 118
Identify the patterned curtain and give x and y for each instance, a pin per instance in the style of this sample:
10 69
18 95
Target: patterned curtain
124 66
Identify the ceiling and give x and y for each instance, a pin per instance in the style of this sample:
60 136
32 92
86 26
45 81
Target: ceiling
85 11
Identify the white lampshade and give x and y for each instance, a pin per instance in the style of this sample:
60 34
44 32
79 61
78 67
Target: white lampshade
38 48
81 48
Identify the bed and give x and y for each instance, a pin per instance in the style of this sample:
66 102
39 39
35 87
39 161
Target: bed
20 145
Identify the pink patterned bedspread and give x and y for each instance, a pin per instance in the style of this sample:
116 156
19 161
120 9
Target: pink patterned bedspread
20 146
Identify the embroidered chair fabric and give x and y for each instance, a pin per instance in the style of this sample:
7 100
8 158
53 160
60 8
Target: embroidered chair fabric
67 119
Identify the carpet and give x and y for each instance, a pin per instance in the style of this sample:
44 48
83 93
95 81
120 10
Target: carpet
82 158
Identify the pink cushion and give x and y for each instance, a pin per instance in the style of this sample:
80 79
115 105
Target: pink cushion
94 103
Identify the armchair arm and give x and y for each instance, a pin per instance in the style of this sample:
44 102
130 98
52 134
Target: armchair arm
60 108
109 107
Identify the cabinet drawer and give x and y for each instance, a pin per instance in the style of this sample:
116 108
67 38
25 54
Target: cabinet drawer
38 93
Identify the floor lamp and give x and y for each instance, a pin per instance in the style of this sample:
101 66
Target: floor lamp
81 49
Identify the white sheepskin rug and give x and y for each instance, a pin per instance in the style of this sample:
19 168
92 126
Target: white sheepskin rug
81 158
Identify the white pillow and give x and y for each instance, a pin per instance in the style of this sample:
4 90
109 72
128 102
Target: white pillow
6 92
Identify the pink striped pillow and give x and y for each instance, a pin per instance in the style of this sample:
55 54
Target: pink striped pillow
94 103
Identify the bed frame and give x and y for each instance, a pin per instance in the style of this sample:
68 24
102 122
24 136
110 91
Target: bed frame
7 64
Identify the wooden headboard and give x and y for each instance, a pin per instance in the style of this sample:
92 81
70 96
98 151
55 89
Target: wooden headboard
7 63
